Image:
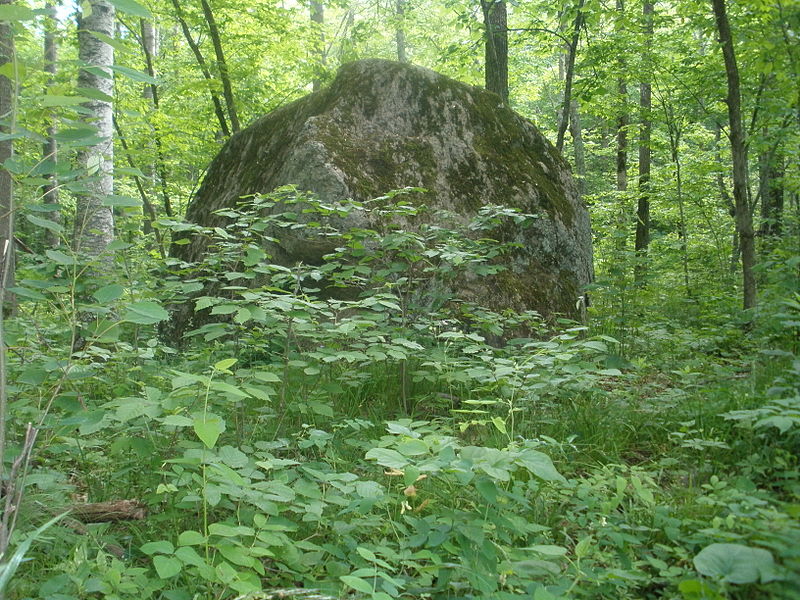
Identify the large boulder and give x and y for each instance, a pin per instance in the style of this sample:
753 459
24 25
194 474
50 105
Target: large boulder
383 125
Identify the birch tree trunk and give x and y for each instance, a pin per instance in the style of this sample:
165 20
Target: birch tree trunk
94 223
50 146
744 218
7 114
495 20
150 50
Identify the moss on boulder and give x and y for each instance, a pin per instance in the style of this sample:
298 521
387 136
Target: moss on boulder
383 125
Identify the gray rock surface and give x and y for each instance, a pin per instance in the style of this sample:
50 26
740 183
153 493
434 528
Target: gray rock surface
383 125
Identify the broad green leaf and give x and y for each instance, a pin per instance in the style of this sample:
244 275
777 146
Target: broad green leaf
547 549
540 465
366 554
145 312
26 293
235 554
487 489
46 223
15 12
232 391
225 530
59 257
582 548
118 245
191 538
109 293
412 447
735 563
499 424
225 365
132 8
694 589
387 457
50 100
167 566
357 584
178 421
267 377
160 547
209 429
94 94
121 201
135 75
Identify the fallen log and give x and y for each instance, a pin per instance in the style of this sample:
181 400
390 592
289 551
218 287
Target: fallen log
104 512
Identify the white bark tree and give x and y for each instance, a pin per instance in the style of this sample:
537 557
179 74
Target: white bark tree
94 222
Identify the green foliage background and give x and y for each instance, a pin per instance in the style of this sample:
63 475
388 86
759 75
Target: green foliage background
379 447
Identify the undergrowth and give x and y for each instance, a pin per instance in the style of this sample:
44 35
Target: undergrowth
331 431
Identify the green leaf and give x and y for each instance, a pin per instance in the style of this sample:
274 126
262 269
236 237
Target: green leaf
209 429
109 293
487 489
15 12
357 584
233 392
94 94
547 549
59 257
135 75
121 201
145 312
225 365
46 223
160 547
500 425
132 8
735 563
387 457
167 566
582 548
191 538
267 377
540 465
177 421
51 100
694 589
366 554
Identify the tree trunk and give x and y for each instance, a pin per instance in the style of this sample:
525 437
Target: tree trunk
222 66
50 146
572 49
400 32
675 133
150 50
94 223
744 218
642 241
318 18
495 20
772 192
8 115
577 147
201 62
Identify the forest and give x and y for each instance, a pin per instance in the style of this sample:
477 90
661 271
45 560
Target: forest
394 441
